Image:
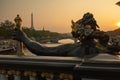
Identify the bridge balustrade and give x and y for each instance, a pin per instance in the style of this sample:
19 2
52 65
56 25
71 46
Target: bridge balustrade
57 68
37 68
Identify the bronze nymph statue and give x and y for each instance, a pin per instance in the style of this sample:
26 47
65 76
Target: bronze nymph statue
85 30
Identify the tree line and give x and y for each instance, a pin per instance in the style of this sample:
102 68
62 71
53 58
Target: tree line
7 30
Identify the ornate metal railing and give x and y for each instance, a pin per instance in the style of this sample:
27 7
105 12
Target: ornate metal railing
57 68
37 68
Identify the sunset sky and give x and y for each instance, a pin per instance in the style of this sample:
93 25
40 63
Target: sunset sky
56 15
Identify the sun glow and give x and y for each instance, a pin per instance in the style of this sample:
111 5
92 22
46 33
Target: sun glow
118 24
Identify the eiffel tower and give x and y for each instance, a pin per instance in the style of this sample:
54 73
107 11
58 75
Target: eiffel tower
32 25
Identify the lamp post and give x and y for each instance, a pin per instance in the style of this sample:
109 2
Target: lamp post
18 22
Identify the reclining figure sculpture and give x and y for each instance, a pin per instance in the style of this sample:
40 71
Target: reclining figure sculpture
85 31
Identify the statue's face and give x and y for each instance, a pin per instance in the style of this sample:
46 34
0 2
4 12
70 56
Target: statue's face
18 15
88 30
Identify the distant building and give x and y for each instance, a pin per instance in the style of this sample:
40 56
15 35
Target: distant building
32 25
43 29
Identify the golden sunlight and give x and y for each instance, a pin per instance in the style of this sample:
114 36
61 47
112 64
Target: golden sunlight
118 24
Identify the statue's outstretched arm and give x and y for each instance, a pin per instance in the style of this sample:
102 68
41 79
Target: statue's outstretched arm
39 49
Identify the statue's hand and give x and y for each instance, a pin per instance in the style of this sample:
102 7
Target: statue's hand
18 35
